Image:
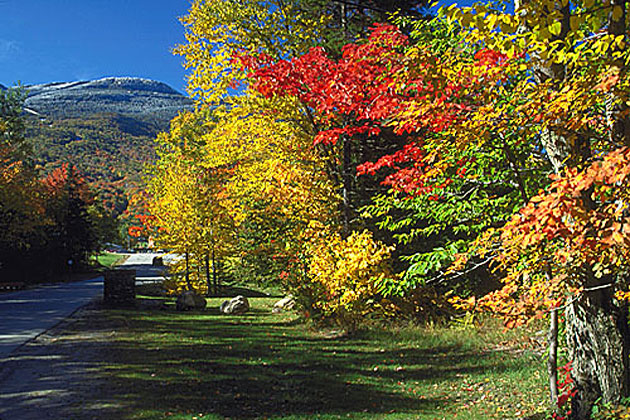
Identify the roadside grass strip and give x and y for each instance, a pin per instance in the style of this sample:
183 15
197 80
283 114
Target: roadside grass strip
165 364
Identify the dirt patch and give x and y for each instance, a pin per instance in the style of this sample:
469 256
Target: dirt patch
58 375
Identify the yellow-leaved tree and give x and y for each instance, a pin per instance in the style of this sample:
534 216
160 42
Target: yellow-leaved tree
188 205
219 31
249 159
278 184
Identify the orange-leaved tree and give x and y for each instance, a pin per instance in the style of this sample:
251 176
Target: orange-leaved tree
567 248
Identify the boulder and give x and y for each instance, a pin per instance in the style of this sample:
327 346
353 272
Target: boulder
236 306
190 300
285 304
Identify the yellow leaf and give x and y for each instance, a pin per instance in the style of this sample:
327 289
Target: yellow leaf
492 21
555 28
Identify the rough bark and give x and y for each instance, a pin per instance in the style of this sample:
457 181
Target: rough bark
597 339
596 329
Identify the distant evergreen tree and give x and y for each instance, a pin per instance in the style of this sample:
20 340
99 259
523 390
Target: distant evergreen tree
12 125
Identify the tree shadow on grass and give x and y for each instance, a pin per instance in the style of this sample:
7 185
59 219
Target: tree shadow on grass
145 363
258 366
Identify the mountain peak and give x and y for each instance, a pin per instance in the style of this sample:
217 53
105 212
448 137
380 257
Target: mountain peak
132 83
130 96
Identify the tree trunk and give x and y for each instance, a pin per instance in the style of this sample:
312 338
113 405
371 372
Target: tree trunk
598 342
188 284
552 359
208 284
617 111
346 176
215 278
596 329
347 184
598 338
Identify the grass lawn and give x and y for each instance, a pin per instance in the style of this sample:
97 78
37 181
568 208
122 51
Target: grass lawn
108 259
169 365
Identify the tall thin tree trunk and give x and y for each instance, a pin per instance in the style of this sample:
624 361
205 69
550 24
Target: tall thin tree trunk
207 261
552 359
215 277
346 176
347 184
188 284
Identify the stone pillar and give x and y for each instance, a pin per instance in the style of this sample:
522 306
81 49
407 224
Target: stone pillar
120 287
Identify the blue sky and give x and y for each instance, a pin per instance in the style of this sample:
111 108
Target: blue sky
65 40
45 41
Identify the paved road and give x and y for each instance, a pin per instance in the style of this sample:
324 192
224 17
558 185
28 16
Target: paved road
28 313
145 271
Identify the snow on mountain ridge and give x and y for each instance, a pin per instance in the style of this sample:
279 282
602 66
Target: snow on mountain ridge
131 96
137 83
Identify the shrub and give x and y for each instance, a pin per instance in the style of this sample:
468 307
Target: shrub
349 274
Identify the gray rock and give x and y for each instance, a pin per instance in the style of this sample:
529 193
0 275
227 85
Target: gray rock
285 304
190 300
236 306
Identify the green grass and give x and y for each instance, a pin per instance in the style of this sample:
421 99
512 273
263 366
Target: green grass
169 365
109 260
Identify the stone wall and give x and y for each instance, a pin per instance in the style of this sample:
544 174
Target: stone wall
120 287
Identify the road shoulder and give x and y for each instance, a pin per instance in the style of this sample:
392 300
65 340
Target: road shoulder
57 374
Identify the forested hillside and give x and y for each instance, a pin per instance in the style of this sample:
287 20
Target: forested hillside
110 149
105 127
72 155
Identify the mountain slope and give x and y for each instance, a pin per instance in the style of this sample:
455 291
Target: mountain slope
106 148
104 127
136 97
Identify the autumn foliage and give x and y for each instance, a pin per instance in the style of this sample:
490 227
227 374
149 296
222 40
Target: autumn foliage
46 221
484 147
579 219
349 273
